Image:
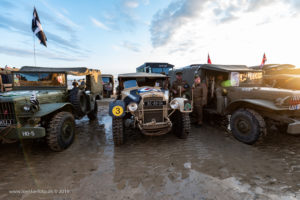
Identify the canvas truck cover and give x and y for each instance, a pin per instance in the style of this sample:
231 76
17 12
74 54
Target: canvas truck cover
96 80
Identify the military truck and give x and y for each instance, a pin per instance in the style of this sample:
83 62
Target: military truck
285 76
6 79
155 67
41 105
143 102
108 85
237 91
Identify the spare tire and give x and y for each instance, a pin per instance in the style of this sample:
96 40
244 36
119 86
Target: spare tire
79 100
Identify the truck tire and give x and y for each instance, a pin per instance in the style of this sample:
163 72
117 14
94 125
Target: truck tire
247 125
118 131
79 100
93 114
61 131
181 124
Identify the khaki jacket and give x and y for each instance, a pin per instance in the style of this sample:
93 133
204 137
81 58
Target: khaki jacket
200 94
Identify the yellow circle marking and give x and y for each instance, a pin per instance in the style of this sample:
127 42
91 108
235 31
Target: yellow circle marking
117 111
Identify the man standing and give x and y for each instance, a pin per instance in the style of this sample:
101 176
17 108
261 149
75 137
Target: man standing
199 98
179 87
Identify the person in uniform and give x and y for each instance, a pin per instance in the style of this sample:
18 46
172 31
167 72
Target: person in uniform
179 87
75 84
199 99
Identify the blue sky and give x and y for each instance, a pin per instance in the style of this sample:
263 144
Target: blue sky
116 36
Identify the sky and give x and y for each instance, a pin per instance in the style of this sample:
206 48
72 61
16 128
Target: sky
116 36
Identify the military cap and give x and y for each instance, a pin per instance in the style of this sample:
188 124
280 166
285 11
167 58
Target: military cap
178 73
196 76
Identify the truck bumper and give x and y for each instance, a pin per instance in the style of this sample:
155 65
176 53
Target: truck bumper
294 128
155 129
23 132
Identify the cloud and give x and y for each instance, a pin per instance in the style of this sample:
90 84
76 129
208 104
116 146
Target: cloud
61 16
257 4
99 24
131 46
168 21
18 26
165 22
10 51
131 3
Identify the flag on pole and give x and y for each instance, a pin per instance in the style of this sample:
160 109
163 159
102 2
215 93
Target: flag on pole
263 60
37 28
208 60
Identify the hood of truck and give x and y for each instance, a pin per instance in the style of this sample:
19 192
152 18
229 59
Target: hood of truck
275 95
137 93
44 96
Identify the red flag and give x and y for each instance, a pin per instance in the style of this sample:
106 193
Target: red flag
263 60
208 60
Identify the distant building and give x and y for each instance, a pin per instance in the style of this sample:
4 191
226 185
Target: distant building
155 68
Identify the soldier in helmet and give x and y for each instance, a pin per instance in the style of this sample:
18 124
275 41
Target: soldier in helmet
179 87
199 98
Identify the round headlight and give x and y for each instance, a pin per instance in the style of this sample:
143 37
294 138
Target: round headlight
132 107
26 108
174 104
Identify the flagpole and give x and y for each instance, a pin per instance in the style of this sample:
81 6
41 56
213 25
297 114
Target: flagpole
34 56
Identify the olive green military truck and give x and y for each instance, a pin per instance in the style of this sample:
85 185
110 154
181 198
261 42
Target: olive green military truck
237 91
285 76
41 105
143 102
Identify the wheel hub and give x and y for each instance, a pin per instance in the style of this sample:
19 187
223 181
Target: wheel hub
67 131
243 126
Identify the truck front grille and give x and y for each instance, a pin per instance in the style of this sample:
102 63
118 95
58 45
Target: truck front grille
153 109
7 114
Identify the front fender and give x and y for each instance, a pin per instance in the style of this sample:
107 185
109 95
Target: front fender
255 103
46 109
184 104
117 109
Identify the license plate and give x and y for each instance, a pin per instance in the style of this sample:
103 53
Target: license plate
154 103
28 133
5 122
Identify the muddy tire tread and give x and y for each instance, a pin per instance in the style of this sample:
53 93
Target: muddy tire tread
118 131
261 123
93 114
52 130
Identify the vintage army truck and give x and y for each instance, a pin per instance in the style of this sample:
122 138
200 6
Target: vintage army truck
237 91
143 102
41 105
285 76
6 78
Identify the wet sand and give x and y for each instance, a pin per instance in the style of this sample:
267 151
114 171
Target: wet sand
210 164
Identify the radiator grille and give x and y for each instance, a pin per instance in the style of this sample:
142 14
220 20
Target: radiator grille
7 114
153 109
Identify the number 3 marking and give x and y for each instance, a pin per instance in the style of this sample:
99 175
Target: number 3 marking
117 111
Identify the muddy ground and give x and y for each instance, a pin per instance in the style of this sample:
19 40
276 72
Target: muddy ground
210 164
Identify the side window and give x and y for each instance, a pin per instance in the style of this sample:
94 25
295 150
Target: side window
235 79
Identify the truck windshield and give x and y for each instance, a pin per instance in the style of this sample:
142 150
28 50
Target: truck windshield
130 84
159 70
105 79
22 79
